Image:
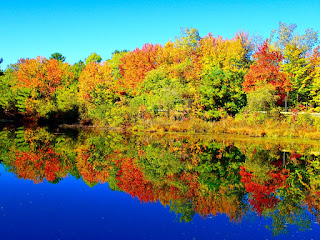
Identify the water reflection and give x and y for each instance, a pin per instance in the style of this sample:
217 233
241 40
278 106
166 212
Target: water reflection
190 174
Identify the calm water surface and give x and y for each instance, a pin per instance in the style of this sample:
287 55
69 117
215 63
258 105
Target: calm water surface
93 185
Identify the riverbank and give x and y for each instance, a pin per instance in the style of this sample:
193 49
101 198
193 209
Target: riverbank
272 125
255 125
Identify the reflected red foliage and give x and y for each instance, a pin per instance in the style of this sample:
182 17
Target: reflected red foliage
263 194
131 180
43 164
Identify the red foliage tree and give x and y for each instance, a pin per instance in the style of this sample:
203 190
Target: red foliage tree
266 71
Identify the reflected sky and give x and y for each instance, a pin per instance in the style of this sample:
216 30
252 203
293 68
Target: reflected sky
72 210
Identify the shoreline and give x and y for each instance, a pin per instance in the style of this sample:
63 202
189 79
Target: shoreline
303 127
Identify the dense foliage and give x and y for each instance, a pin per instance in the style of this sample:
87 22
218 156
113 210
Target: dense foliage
190 77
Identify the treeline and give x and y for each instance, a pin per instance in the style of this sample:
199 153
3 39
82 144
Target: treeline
190 77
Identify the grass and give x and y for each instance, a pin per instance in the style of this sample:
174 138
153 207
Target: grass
255 125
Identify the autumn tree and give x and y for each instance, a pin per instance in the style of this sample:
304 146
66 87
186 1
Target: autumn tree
136 64
265 72
94 57
160 94
115 63
179 62
77 68
286 35
7 94
315 68
227 54
97 92
224 63
189 38
38 80
174 82
296 49
299 71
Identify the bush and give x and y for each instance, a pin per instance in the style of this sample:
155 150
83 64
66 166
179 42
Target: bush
262 99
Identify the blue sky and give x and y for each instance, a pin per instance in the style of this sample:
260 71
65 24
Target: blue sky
78 28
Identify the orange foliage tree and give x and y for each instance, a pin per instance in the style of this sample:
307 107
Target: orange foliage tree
136 64
97 91
40 78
